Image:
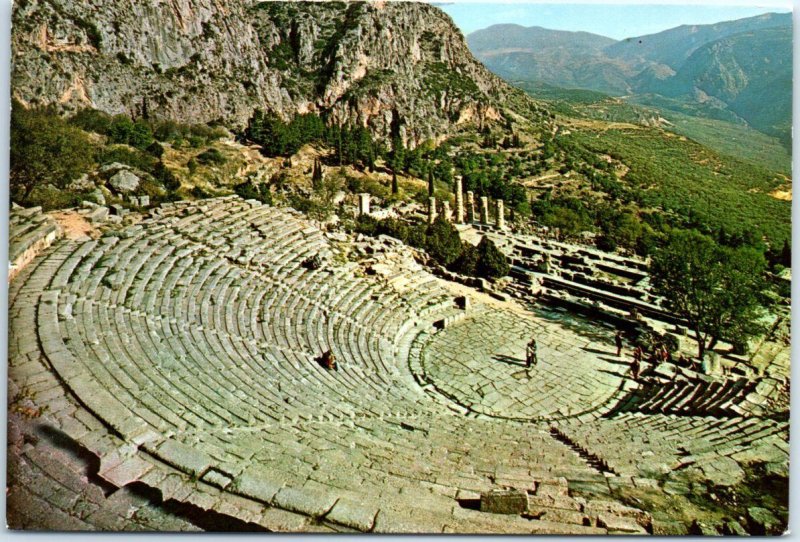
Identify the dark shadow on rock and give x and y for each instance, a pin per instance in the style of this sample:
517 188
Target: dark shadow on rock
510 360
470 504
91 462
614 373
616 361
208 520
598 351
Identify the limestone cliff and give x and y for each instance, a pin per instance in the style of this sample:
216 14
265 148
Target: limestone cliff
400 68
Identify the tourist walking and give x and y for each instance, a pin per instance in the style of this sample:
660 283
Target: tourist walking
618 341
530 354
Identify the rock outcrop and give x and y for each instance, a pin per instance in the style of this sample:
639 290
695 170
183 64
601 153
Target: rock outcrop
402 69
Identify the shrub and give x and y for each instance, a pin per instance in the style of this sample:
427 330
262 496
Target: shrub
200 193
136 134
467 261
211 157
155 149
92 120
134 158
248 190
442 241
50 198
165 176
491 262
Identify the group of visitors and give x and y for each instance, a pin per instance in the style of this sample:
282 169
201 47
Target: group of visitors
659 353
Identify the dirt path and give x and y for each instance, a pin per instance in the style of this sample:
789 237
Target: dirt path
74 225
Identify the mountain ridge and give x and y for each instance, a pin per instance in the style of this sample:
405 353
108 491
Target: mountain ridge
677 63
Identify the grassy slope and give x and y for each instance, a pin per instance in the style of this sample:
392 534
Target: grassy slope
729 138
676 173
734 140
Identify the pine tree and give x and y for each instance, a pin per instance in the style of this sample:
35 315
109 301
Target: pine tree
430 182
394 183
316 175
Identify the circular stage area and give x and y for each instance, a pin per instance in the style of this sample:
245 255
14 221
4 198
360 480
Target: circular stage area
480 364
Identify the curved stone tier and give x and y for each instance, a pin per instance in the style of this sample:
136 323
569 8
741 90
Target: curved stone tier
29 231
183 352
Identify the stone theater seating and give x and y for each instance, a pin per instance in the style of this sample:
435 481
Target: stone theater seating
175 366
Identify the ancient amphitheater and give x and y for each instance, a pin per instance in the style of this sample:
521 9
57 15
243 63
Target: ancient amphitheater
166 376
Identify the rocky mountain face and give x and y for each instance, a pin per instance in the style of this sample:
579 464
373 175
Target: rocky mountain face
727 70
402 69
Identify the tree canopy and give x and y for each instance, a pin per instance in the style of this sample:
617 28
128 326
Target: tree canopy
491 263
44 150
714 288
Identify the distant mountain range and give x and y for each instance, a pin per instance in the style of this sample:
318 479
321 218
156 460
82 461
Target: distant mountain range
739 71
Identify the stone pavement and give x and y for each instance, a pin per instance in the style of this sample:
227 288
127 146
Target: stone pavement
177 360
480 363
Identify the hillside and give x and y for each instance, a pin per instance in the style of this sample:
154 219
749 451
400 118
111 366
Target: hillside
513 37
745 71
376 88
559 58
401 70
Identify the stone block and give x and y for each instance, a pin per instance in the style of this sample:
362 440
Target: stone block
619 525
130 470
124 181
98 214
184 457
355 514
504 501
305 501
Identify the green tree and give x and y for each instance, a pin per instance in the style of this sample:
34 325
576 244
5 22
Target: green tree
316 174
442 241
491 262
136 134
398 155
92 120
715 289
44 150
467 261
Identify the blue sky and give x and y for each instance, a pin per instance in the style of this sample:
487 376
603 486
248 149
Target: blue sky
616 21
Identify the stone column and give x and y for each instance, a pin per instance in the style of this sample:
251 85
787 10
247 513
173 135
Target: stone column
484 210
459 202
470 207
446 211
501 218
431 210
363 204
